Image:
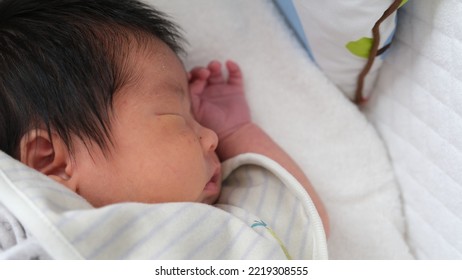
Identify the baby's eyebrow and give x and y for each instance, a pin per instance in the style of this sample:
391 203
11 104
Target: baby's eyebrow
177 89
172 87
181 92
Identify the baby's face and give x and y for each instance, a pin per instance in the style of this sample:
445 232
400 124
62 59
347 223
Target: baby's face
160 153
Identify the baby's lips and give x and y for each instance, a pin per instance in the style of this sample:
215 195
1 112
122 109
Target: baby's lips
216 176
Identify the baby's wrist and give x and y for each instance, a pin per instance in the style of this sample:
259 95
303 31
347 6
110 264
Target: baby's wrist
224 135
233 142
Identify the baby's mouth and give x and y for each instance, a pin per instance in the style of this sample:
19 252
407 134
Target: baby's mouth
213 184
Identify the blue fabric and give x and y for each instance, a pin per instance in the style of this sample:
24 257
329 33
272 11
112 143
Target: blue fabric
288 10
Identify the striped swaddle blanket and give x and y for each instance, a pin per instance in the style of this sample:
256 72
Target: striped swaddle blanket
263 213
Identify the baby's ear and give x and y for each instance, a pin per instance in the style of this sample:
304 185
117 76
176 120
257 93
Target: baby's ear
47 154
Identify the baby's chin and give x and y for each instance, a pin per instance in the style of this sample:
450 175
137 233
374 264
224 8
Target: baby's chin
210 200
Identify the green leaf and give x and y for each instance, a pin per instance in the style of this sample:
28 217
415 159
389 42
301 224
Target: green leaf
361 47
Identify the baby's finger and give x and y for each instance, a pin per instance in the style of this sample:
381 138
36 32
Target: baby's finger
216 75
199 73
196 87
235 74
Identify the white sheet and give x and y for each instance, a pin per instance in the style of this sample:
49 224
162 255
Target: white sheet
297 105
417 108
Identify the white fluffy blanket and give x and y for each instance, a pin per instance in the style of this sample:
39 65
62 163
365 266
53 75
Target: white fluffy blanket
298 106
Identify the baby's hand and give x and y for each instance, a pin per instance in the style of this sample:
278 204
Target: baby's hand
217 103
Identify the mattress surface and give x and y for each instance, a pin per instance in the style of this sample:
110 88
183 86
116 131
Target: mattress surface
417 107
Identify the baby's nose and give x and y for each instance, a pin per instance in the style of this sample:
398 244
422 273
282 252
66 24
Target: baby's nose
209 139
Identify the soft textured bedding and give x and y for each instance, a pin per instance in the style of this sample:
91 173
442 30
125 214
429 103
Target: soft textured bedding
307 115
417 107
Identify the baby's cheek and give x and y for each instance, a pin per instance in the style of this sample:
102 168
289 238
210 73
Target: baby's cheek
192 139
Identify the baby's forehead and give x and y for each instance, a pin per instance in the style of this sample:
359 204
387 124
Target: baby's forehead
154 69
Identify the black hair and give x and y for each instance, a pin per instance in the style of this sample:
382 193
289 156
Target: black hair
61 61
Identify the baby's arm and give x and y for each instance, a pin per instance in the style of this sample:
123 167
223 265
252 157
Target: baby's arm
220 105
